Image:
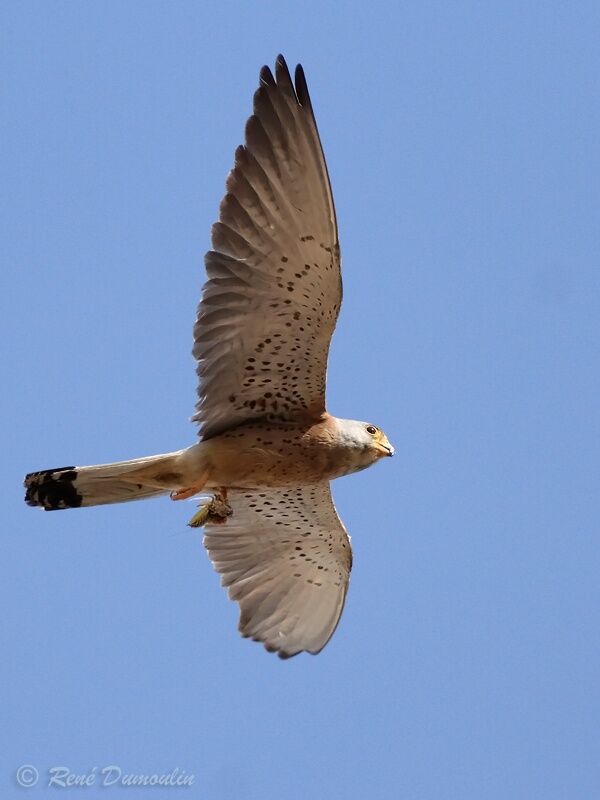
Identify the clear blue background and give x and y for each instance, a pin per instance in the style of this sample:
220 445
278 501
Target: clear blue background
463 144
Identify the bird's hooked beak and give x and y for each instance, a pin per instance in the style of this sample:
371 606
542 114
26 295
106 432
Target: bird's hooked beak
385 445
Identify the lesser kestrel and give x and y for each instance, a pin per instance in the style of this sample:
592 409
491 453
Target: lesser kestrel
268 448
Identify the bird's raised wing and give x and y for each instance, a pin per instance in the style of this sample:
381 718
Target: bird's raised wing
274 291
285 557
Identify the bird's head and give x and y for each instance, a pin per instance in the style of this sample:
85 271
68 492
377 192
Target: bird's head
378 440
366 438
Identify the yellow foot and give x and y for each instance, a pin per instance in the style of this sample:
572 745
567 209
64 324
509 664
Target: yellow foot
190 491
214 511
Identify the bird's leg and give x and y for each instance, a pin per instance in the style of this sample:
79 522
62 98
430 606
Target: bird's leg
190 491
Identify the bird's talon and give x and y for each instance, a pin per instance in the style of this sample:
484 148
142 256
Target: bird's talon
184 494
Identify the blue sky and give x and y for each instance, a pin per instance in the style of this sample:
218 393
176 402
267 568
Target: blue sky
463 145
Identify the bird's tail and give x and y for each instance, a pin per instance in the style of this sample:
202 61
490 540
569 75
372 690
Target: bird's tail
72 487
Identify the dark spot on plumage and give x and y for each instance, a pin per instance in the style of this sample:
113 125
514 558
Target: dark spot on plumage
53 489
169 477
69 475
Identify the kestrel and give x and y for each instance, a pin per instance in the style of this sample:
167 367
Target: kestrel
268 448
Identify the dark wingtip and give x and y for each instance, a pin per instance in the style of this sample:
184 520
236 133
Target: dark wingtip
283 77
285 656
302 87
266 76
281 64
272 648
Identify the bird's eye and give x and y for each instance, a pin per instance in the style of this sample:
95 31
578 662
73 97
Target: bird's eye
371 429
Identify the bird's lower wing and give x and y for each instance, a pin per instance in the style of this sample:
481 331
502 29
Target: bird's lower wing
285 557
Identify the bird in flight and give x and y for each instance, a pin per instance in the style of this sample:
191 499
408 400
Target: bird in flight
268 448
